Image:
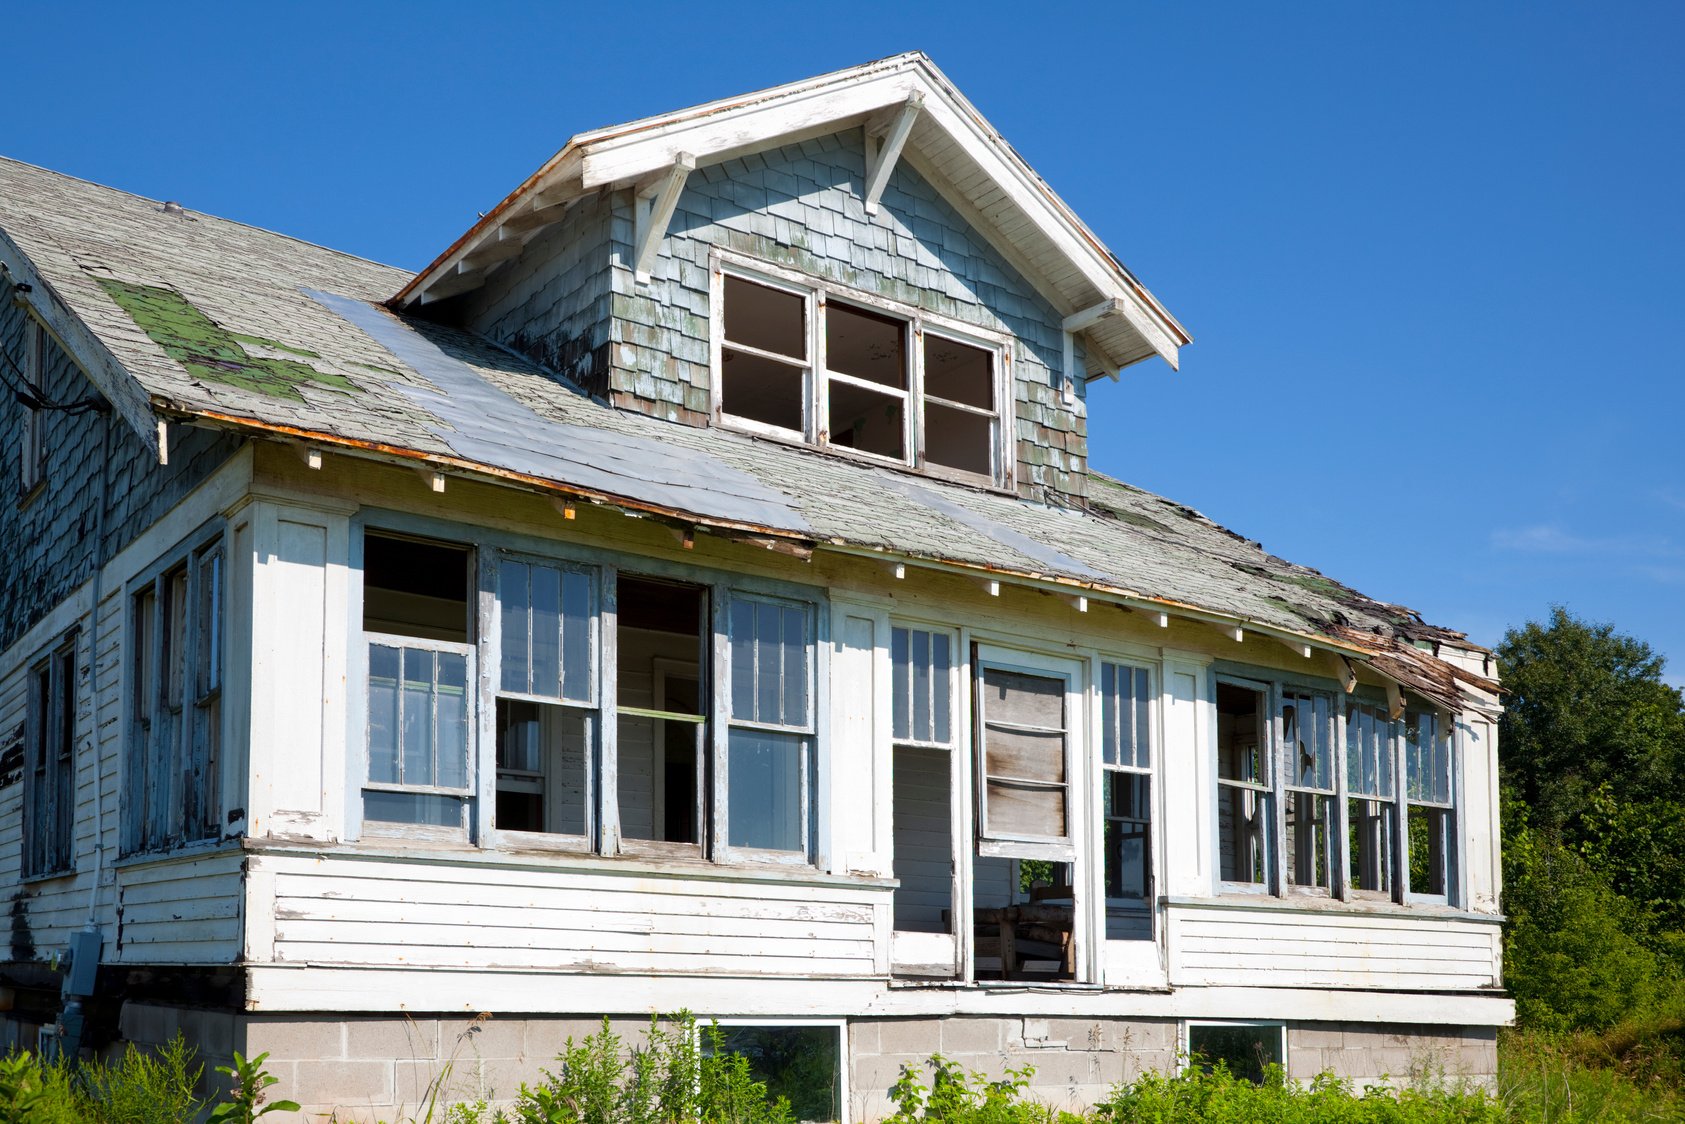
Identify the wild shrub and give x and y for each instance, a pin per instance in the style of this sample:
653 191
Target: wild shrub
957 1097
1216 1096
142 1086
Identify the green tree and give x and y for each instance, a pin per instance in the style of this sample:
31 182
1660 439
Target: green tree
1586 707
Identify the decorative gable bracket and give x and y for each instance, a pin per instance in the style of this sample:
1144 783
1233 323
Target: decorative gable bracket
654 200
884 140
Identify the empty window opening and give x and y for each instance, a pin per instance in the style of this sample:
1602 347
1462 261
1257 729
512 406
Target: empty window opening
960 414
867 378
802 1064
1245 1049
924 840
764 355
1126 792
413 587
661 721
1307 737
1371 810
420 710
1243 792
923 671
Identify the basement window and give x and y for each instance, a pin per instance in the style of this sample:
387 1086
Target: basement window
801 1063
844 370
420 716
1246 1050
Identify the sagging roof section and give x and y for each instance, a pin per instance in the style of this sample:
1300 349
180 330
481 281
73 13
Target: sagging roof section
218 323
909 102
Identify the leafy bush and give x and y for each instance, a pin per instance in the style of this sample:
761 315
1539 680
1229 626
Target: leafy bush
956 1097
1216 1096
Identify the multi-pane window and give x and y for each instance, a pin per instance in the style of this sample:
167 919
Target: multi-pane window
1427 790
922 668
1126 795
174 782
50 762
801 361
1371 805
1245 819
546 698
770 762
664 643
420 715
1307 767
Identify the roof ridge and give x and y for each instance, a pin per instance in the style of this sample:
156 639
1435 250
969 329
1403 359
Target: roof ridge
203 214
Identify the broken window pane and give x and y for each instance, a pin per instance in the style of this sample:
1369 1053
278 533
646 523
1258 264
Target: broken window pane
867 345
1369 755
1310 856
1307 732
958 372
1427 759
1429 850
1371 827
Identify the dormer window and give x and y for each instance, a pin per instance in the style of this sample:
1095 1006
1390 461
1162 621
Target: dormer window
847 371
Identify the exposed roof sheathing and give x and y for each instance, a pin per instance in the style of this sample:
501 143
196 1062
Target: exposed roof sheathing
238 327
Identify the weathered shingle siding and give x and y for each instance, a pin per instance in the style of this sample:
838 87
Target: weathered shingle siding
800 206
552 303
47 542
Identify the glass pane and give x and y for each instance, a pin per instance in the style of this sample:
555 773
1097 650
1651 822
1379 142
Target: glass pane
921 686
546 631
765 808
868 421
1369 754
541 755
762 390
576 637
1143 743
765 318
512 601
797 1063
958 372
453 720
416 714
958 439
795 657
941 678
1304 731
769 664
901 672
743 651
383 714
1128 820
866 345
413 808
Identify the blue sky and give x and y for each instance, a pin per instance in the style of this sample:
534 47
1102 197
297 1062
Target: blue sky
1433 256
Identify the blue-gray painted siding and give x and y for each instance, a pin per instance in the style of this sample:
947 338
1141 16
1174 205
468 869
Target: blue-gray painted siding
571 301
47 544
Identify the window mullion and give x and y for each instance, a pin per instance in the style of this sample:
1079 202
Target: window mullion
1277 787
818 411
714 829
608 839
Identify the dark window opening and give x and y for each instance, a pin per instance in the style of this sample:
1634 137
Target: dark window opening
798 1063
1246 1051
413 587
661 647
1243 795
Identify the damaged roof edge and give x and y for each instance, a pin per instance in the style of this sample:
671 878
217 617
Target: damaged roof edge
1439 687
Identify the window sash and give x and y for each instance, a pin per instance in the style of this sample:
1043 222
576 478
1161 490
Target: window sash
428 751
1125 716
922 686
746 751
998 786
528 662
818 376
1302 771
50 763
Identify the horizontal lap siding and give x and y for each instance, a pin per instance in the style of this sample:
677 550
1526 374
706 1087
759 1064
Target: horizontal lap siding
180 911
1236 947
378 914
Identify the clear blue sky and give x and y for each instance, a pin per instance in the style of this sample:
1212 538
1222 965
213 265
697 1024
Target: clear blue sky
1433 256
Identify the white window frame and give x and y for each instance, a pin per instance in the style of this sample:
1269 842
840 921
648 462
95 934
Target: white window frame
1390 846
841 1026
1267 790
1149 771
1335 838
1063 849
1446 810
1185 1033
200 688
468 793
816 295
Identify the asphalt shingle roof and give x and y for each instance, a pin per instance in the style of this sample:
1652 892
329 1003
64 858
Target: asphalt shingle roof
238 326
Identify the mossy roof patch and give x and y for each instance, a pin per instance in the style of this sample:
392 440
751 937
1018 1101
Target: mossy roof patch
211 352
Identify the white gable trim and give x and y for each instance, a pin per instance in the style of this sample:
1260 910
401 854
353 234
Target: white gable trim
908 93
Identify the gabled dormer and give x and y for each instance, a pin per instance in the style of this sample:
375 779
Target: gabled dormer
856 262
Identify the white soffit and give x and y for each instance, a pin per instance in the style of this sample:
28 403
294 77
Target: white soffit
950 143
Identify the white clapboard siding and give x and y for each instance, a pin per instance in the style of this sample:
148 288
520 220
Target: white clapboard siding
1235 946
180 910
367 912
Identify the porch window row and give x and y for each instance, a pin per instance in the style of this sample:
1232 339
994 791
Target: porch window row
1373 820
610 733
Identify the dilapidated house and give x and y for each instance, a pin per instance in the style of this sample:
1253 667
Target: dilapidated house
691 591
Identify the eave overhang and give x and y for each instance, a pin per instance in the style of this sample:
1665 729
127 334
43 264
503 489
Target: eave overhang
946 140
